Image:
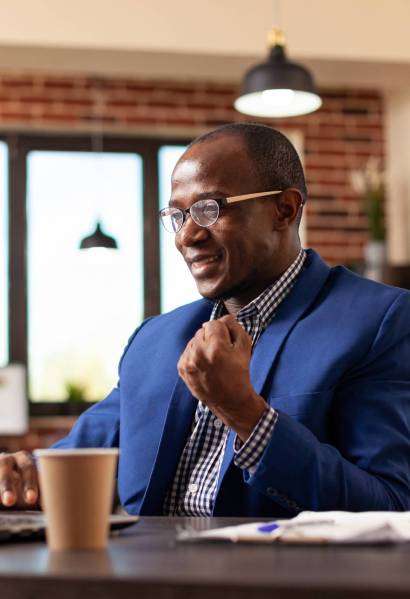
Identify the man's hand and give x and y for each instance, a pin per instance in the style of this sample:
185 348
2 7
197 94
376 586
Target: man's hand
19 486
215 368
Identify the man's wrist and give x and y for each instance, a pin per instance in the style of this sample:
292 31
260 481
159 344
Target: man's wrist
249 454
249 418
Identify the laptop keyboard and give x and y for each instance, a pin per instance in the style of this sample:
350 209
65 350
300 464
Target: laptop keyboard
22 526
31 525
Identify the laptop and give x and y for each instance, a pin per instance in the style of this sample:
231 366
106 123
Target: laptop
18 525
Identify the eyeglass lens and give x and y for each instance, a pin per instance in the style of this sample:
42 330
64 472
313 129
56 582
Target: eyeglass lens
204 213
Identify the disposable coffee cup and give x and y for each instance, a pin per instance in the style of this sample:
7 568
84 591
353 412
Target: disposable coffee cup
77 489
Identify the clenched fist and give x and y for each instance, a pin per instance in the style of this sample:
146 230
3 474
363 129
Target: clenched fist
215 368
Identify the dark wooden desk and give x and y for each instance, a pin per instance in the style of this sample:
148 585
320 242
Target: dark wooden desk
145 562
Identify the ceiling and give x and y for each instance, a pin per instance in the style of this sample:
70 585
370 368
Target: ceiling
355 42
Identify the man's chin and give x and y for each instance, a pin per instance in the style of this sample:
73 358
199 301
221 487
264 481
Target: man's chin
215 292
224 292
209 292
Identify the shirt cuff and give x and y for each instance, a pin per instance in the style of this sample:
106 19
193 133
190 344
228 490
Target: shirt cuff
247 455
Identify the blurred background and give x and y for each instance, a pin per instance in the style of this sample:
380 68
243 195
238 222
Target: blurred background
98 100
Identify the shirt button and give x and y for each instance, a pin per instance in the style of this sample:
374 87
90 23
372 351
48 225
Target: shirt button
218 423
193 488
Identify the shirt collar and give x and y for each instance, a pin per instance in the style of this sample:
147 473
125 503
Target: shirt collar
265 305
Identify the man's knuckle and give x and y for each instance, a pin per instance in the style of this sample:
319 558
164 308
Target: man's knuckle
27 471
7 483
192 366
24 458
214 355
6 459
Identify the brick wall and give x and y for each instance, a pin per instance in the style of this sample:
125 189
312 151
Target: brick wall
341 136
43 432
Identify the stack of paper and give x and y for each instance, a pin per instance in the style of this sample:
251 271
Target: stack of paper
316 527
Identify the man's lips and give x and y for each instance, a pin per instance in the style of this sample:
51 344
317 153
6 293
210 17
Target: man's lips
202 263
199 258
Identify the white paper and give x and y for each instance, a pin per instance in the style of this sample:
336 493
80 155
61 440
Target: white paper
317 527
13 400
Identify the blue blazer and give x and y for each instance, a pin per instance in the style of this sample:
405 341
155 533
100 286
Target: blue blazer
334 362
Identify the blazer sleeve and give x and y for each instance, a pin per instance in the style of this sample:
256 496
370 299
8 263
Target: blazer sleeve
367 466
99 426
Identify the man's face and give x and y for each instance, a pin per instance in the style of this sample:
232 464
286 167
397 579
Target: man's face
235 257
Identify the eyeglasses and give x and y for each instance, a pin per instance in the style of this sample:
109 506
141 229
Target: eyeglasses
204 213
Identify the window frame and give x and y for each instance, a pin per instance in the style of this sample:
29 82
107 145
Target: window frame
7 243
19 146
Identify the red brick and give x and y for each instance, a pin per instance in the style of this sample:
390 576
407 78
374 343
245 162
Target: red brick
77 102
59 118
15 116
16 82
139 120
122 104
337 139
38 99
64 84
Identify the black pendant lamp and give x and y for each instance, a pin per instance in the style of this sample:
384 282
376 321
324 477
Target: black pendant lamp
98 239
277 87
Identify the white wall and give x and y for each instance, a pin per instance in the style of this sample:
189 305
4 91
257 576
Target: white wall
356 29
398 164
205 37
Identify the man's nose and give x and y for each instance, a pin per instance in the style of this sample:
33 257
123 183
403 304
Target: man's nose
191 233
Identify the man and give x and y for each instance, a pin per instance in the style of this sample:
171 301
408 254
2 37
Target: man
286 388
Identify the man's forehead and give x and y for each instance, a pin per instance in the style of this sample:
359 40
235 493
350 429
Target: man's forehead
221 146
187 169
217 161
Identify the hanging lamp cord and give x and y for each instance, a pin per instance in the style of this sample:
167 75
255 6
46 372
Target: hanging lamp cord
276 36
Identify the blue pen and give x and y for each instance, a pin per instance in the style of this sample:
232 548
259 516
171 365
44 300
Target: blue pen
269 527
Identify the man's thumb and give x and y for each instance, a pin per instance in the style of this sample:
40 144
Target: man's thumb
239 337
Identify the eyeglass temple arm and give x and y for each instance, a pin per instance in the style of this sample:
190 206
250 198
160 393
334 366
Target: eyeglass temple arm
251 196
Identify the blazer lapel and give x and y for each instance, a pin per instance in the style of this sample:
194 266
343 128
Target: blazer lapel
178 423
176 431
182 404
304 292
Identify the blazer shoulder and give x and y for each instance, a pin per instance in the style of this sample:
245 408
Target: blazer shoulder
193 310
179 322
342 277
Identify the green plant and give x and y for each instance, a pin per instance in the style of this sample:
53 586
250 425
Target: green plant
369 184
373 206
75 391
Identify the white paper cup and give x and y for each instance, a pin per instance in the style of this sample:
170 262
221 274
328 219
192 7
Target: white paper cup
77 488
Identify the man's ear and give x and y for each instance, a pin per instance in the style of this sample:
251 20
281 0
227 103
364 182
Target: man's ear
287 208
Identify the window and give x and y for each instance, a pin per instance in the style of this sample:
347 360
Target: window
3 255
82 304
72 311
177 285
64 313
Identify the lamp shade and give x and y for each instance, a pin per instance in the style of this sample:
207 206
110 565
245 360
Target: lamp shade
98 239
277 88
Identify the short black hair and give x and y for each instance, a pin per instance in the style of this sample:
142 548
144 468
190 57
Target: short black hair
276 162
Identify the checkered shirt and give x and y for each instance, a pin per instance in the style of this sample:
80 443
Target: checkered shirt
193 490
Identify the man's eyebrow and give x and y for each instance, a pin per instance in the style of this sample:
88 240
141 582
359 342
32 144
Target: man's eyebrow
206 195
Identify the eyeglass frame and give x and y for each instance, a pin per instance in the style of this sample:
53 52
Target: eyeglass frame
221 202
